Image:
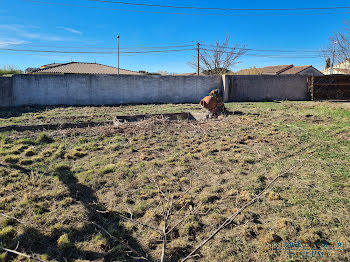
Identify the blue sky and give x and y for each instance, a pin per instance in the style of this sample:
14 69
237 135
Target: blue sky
32 25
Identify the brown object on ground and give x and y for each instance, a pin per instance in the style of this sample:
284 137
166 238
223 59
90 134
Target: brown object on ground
209 103
214 104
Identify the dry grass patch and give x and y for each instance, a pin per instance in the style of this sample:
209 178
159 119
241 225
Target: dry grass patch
64 183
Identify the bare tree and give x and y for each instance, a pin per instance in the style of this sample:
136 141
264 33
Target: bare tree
219 58
338 50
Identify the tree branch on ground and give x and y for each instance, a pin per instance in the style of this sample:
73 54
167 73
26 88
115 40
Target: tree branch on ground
230 219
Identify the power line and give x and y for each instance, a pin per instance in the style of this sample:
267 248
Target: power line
150 51
264 50
55 55
88 52
223 8
107 48
266 56
169 13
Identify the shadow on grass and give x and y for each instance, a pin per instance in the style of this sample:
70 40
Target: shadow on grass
18 111
123 247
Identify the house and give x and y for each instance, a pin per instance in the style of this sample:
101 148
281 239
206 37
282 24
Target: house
267 70
81 68
302 70
281 70
339 69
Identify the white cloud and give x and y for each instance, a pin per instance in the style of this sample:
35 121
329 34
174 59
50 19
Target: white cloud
7 43
23 31
71 30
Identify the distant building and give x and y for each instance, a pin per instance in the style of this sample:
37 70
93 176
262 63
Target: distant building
81 68
267 70
281 70
339 69
302 70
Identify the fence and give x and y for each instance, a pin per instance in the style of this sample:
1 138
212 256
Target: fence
109 89
23 90
330 87
265 88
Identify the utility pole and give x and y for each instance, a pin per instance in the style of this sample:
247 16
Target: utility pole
335 43
118 53
198 44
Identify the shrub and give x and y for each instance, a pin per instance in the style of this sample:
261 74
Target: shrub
9 70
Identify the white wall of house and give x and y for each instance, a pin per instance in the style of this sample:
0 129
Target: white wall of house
339 69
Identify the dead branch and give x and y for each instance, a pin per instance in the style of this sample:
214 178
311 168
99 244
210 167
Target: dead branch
121 240
133 221
21 222
21 254
230 219
13 218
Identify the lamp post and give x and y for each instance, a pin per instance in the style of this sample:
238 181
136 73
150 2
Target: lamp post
118 37
198 44
335 43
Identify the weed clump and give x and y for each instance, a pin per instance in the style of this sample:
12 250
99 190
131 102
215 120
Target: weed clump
60 152
75 153
26 141
8 232
63 242
44 139
63 171
274 196
108 169
3 257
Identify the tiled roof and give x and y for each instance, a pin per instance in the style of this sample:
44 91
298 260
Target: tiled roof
275 70
49 65
84 68
250 71
295 70
267 70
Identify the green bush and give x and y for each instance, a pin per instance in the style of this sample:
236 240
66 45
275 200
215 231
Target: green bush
9 70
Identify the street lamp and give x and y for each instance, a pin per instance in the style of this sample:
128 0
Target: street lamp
335 43
118 53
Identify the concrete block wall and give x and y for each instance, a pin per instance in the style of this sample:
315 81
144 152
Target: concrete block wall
23 90
6 94
240 88
110 89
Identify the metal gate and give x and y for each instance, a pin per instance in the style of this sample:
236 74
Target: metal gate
329 87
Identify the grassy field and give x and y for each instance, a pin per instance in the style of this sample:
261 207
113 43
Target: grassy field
99 194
